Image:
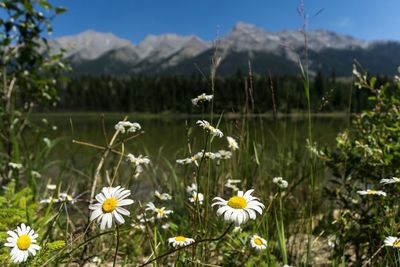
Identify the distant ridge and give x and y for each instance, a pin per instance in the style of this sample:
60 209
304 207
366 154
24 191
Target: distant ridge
92 52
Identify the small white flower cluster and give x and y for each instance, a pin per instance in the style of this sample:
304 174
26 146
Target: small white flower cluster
17 166
392 180
162 196
372 192
231 183
207 126
201 99
159 213
138 161
194 196
131 127
221 154
232 144
279 181
63 197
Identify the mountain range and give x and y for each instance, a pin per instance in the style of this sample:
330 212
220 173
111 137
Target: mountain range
97 53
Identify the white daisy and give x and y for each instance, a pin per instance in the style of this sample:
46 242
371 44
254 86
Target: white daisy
371 192
197 198
109 206
207 126
160 212
131 126
22 241
162 196
232 144
180 241
51 186
279 181
139 160
223 154
65 197
231 183
239 209
49 200
390 181
201 99
258 242
392 241
17 166
191 188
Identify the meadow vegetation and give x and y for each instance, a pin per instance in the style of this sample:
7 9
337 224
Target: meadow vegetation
241 205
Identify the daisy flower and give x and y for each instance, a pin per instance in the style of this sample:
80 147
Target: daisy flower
191 188
207 126
197 198
371 192
231 183
239 209
160 212
392 241
139 160
258 242
22 241
17 166
201 99
223 154
279 181
390 181
110 206
162 196
51 186
180 241
232 144
131 126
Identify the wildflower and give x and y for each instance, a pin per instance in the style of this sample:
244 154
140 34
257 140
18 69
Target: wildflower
232 144
48 142
207 126
49 200
258 242
138 162
160 212
132 126
392 241
143 219
239 209
279 181
180 241
22 241
165 226
36 174
197 198
162 196
230 183
138 226
51 186
371 192
390 181
109 206
201 99
16 166
191 188
64 197
223 154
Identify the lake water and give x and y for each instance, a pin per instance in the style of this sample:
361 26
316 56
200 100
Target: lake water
166 137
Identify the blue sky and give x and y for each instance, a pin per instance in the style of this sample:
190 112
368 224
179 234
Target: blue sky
134 19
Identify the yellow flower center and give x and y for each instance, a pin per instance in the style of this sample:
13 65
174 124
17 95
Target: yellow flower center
371 191
396 243
160 211
180 238
109 205
258 241
23 242
237 202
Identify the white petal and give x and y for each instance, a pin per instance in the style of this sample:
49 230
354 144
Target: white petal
118 217
123 211
124 202
96 213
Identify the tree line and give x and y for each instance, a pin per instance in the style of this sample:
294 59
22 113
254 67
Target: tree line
260 94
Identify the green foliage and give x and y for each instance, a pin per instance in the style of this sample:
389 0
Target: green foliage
366 153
